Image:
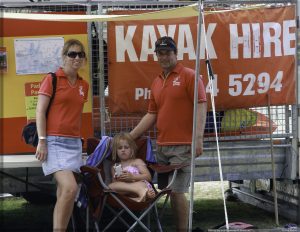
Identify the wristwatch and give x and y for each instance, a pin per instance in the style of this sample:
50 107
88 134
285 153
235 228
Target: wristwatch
42 137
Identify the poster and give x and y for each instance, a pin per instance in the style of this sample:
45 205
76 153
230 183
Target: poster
38 55
3 60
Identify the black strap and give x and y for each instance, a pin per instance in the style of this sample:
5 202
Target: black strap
54 81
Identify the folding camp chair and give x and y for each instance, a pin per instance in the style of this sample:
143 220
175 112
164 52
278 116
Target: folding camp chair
97 177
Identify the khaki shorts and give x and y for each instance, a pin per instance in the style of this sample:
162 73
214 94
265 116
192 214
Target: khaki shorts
175 155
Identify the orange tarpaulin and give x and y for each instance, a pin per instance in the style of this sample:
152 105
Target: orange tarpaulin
252 53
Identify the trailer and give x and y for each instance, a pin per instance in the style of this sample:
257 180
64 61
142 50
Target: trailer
257 141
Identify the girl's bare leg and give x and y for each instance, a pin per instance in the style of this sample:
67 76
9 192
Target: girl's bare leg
138 190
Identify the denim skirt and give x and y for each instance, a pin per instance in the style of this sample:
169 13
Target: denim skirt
64 153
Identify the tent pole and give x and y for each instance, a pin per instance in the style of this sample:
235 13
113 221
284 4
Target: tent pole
197 71
296 140
101 74
273 161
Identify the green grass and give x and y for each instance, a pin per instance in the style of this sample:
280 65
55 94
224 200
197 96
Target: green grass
209 210
18 215
210 213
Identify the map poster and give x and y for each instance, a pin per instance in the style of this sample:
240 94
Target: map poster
38 55
3 60
31 98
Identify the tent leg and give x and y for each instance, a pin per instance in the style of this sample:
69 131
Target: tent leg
273 161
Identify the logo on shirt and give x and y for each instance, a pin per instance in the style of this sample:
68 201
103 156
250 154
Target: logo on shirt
176 81
81 93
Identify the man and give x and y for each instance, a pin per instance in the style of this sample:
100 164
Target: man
171 107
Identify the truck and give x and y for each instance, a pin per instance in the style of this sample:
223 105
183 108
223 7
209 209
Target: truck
256 119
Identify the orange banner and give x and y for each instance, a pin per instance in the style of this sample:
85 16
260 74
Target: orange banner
252 54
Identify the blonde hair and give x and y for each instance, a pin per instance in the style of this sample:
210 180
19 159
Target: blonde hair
116 141
72 42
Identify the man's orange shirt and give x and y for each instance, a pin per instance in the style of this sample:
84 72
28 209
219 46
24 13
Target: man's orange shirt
64 117
172 100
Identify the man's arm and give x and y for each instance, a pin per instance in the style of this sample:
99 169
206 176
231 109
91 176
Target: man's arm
146 122
201 120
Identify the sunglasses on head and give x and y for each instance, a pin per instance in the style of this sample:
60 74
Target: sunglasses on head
75 54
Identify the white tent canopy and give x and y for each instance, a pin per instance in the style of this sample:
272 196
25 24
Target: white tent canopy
180 12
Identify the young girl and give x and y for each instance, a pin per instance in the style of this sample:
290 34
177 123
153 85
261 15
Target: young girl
131 178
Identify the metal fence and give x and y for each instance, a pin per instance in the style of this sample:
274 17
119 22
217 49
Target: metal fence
282 116
105 122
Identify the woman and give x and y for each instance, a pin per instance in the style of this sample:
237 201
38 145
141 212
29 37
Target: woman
59 147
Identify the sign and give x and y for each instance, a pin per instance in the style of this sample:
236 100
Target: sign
3 60
252 53
31 98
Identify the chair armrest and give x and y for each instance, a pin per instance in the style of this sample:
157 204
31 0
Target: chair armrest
95 172
89 169
161 168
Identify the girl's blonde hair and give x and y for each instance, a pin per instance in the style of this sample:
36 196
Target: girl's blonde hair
116 141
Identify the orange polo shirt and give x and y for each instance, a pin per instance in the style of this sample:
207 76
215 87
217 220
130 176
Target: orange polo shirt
64 118
172 100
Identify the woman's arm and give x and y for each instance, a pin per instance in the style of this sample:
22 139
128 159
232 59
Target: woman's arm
42 105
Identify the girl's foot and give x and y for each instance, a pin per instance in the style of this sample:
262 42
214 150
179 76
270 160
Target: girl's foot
150 193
